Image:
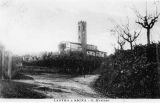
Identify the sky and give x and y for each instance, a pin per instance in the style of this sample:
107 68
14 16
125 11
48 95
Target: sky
32 26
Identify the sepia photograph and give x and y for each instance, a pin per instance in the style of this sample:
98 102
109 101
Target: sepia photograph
79 50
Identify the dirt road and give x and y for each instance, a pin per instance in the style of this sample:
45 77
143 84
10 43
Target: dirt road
58 86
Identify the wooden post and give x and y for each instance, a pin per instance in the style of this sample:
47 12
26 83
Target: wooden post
1 48
2 62
5 61
9 65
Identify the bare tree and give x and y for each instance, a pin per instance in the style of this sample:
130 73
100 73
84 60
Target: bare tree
147 21
121 43
125 33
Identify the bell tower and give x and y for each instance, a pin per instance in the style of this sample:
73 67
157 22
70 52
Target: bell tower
82 35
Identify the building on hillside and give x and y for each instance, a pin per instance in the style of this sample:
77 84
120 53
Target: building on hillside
81 45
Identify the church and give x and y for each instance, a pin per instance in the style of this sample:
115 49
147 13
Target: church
81 45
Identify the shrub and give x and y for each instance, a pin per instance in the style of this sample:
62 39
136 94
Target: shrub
73 63
130 74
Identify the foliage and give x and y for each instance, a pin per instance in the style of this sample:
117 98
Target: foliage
131 74
71 63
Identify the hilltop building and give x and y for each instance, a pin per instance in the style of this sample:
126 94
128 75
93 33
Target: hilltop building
81 45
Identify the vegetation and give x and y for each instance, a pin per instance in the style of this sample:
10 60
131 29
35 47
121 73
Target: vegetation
147 21
126 73
73 63
130 74
125 34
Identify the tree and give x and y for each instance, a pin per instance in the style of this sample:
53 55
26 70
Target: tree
62 47
45 56
121 43
147 21
124 32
